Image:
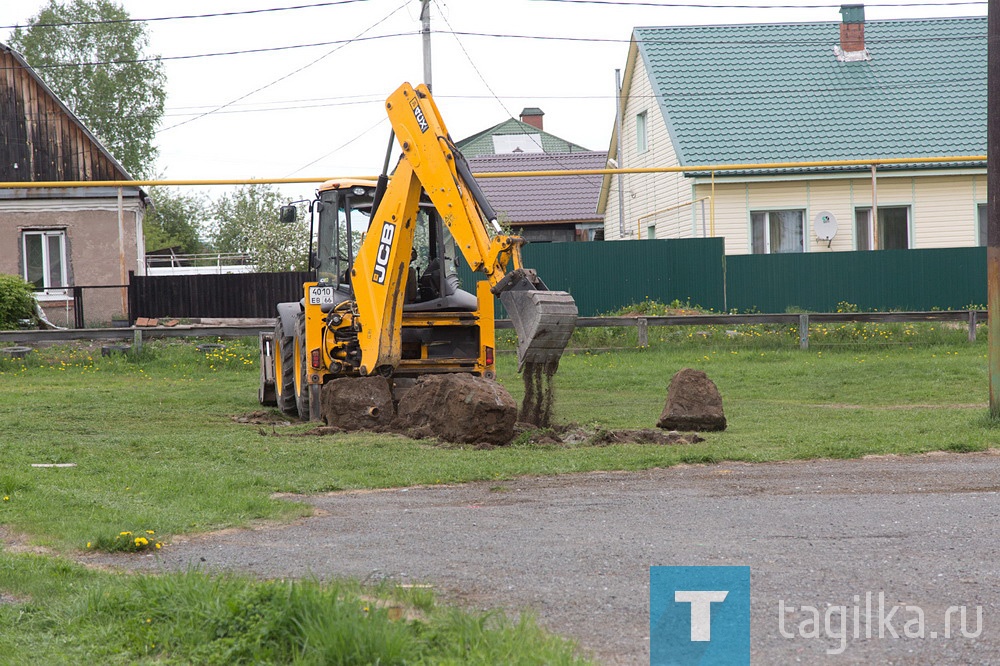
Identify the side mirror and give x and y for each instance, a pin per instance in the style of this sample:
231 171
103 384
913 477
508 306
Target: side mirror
288 214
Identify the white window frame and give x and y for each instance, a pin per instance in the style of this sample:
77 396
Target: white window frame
50 291
767 249
865 234
641 132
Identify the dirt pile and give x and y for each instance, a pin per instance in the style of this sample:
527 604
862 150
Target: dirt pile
358 403
458 408
693 403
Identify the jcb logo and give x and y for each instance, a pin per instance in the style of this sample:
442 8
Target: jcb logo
384 250
418 113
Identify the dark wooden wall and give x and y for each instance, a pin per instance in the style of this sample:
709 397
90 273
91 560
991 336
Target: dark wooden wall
38 135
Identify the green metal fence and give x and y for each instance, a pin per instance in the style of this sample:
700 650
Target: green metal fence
604 277
933 279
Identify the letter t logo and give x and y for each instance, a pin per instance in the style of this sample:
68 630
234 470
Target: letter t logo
701 610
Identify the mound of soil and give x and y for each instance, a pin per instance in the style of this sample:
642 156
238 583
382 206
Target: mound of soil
358 403
693 403
458 408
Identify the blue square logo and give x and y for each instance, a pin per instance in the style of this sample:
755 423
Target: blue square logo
699 615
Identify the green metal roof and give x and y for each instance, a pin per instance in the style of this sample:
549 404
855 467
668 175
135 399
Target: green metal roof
777 93
481 143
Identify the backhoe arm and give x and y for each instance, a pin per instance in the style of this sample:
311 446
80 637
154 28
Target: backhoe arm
543 319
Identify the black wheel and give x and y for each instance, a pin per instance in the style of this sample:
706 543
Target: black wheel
301 380
284 370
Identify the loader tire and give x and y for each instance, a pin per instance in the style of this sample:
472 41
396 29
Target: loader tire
301 369
284 370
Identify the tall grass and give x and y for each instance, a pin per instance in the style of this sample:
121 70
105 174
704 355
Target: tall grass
60 613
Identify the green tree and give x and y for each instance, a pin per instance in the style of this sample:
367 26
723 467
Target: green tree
176 219
94 59
247 222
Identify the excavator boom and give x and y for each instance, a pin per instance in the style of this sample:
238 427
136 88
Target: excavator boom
544 320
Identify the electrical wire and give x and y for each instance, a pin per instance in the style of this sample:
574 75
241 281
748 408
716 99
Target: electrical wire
379 122
284 77
270 49
66 24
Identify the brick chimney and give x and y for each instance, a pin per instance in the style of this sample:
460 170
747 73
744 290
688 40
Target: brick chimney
532 116
852 35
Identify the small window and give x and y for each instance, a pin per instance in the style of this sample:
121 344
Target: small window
778 231
44 255
641 138
893 228
651 232
984 223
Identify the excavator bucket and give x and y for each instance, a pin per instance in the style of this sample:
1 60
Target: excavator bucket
544 322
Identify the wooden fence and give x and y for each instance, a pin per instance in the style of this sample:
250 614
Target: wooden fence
970 318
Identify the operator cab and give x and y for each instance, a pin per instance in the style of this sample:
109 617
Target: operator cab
345 212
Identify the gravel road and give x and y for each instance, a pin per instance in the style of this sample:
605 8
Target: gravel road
922 531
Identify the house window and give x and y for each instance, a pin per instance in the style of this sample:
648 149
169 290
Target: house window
893 228
44 255
777 231
984 223
641 139
651 232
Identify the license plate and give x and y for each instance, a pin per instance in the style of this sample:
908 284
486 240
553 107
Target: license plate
321 296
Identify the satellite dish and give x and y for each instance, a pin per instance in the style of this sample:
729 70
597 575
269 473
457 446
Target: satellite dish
825 225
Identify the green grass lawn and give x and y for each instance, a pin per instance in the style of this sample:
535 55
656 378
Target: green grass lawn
155 446
156 453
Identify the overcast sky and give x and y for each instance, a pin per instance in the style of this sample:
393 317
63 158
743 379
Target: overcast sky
317 110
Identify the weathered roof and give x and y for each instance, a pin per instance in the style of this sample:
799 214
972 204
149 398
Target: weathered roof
544 199
41 139
776 92
481 143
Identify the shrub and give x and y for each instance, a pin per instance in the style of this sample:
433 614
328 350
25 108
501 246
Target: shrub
17 302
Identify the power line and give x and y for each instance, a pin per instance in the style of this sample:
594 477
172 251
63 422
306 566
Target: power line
339 42
286 76
607 40
67 24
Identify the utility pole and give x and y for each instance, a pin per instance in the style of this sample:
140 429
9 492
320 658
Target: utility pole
425 31
993 201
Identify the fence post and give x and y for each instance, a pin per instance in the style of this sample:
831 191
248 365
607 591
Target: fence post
642 331
803 331
137 341
78 307
973 321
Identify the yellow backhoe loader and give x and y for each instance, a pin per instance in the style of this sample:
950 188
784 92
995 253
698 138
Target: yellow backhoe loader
387 299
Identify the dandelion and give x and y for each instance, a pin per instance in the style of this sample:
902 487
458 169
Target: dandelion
6 498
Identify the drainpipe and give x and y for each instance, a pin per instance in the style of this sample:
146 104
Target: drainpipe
621 158
873 225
